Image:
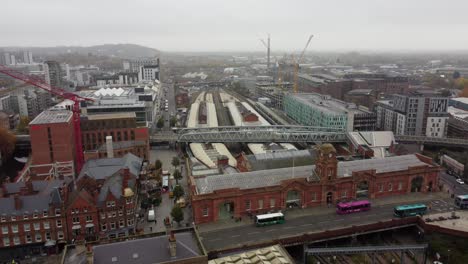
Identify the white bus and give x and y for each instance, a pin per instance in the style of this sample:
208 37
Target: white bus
461 201
269 219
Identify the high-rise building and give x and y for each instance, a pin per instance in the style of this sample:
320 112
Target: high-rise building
149 73
53 73
417 114
27 57
12 59
134 65
29 101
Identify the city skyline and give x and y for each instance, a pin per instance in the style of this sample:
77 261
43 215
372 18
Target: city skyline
194 26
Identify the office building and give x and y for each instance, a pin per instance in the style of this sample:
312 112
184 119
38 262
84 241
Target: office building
324 111
417 114
27 57
135 65
149 72
123 78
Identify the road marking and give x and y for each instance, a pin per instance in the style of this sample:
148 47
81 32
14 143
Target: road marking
235 236
288 227
307 224
339 220
271 230
253 233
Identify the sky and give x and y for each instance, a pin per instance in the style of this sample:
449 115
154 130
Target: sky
237 25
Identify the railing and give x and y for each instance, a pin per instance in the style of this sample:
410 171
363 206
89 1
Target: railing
434 140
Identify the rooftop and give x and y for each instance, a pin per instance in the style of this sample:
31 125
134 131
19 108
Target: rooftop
269 255
122 145
326 103
52 117
460 99
274 177
100 169
111 116
360 92
147 250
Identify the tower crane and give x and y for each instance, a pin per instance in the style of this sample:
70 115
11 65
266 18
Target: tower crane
40 83
267 45
296 64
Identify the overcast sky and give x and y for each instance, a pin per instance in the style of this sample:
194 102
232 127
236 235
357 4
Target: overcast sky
236 25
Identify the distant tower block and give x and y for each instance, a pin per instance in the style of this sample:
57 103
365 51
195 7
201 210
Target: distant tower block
109 147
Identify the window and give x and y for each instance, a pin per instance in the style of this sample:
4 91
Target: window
380 187
47 236
120 212
247 205
260 204
103 215
37 226
25 216
313 196
59 223
14 228
109 214
344 194
129 222
272 202
35 214
38 237
76 220
27 227
205 211
103 227
6 241
60 235
400 186
121 223
57 212
4 230
13 218
28 238
16 240
45 213
89 218
112 225
3 219
46 225
129 211
390 187
110 204
114 214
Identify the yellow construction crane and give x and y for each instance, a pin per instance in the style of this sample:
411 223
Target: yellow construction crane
296 64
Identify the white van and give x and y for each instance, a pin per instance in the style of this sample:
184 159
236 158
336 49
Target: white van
151 216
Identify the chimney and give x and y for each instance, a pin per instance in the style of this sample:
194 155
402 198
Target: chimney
17 202
126 178
109 147
64 190
172 245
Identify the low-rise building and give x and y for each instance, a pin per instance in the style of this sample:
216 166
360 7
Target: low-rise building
364 97
217 197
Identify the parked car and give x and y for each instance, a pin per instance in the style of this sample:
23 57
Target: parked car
151 216
460 181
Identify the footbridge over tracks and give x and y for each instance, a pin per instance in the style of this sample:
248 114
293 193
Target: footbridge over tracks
254 134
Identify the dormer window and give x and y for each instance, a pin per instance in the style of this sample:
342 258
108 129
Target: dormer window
57 212
25 216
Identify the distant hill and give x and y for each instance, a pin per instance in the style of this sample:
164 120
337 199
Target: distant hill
124 51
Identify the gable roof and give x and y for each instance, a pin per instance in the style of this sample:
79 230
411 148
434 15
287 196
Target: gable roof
100 169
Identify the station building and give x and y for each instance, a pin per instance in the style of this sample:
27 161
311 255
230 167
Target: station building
329 181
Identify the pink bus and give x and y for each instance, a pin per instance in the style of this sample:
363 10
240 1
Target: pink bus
352 207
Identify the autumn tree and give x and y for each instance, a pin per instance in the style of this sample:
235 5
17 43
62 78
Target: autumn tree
177 175
7 143
175 162
160 123
178 191
177 214
22 127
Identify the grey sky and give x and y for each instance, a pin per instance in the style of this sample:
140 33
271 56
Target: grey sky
217 25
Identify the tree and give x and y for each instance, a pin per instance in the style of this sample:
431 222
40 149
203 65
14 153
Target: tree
160 123
157 164
456 75
173 121
175 162
177 214
177 176
178 191
22 127
7 143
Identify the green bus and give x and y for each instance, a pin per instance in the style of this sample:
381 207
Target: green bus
269 219
410 210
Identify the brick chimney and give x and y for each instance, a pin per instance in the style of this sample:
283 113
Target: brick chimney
18 203
126 178
172 245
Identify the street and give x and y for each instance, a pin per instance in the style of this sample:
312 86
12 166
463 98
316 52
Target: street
452 184
325 219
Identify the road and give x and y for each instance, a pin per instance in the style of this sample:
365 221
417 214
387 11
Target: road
170 96
237 236
451 183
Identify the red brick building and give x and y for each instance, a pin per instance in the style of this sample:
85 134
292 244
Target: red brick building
127 136
103 205
182 100
329 181
52 137
32 216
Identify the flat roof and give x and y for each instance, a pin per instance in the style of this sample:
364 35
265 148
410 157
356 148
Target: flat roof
327 103
52 117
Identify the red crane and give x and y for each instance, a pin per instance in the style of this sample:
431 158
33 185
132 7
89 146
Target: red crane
40 83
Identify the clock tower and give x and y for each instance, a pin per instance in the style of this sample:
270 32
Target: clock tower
327 165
